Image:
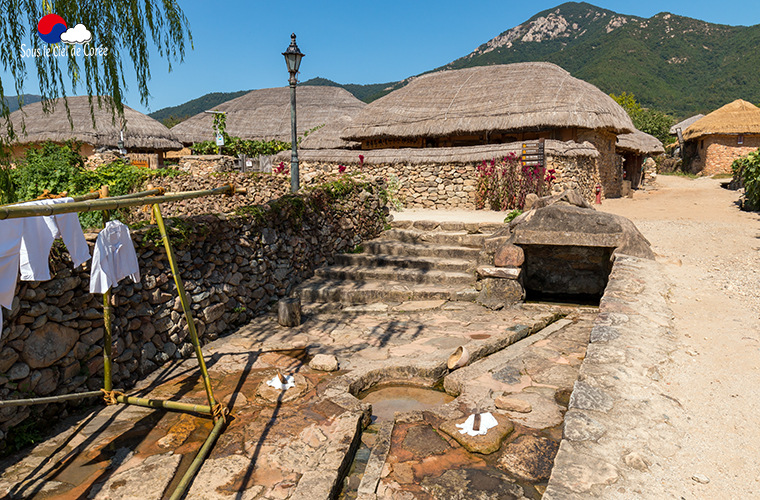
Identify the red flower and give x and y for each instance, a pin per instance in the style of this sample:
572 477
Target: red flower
342 168
361 159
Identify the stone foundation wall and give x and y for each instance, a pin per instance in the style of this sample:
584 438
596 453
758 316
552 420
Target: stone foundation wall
233 268
718 152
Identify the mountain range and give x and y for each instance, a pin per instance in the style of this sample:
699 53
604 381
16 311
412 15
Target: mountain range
671 63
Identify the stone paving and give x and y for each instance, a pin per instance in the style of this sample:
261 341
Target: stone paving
301 446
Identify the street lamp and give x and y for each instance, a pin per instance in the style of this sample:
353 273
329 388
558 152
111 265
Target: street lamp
293 60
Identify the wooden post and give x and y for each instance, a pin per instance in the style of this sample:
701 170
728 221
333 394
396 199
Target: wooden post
185 304
107 316
289 311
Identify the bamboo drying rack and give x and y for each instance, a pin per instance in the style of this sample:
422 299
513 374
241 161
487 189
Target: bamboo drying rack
100 200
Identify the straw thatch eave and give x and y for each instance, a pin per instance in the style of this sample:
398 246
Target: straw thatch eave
685 124
330 136
489 99
141 132
738 117
639 142
264 114
424 156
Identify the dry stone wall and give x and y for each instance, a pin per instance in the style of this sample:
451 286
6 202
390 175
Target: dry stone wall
233 268
452 186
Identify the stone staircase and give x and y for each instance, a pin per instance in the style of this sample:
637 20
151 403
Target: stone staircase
414 260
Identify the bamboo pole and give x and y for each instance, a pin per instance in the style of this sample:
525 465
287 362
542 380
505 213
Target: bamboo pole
15 212
49 399
184 483
185 304
107 317
164 404
94 195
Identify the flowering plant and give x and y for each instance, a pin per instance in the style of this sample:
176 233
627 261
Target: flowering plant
281 169
504 184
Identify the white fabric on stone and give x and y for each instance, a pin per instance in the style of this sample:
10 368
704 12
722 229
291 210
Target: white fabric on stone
114 258
39 234
10 243
487 421
290 381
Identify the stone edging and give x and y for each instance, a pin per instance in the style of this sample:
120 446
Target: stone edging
617 424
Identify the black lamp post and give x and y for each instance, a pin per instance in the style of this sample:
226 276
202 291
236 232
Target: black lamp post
293 59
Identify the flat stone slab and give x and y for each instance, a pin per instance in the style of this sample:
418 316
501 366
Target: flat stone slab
529 457
483 444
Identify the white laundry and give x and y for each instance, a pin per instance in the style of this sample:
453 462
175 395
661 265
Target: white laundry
10 243
487 421
290 381
114 258
39 234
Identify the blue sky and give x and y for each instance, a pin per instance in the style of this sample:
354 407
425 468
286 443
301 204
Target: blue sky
238 43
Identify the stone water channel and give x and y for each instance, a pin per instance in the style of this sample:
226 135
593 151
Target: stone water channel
317 440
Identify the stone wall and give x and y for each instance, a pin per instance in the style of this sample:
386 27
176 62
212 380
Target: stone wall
716 153
609 164
233 268
452 185
260 188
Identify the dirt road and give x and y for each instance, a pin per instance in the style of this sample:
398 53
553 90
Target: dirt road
709 249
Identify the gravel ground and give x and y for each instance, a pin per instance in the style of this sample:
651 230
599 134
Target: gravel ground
709 249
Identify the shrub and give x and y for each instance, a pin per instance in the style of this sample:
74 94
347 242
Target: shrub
746 172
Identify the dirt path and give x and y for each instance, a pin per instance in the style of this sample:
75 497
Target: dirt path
709 249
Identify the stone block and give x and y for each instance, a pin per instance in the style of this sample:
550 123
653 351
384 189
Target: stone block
509 255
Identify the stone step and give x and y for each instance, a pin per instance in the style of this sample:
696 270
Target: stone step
318 289
393 247
360 273
403 261
450 238
470 227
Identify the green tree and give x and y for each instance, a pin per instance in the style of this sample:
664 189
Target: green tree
650 121
120 27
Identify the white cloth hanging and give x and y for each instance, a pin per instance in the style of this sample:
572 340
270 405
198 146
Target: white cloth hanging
38 236
114 258
10 244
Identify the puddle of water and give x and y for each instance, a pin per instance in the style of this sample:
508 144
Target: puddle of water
389 399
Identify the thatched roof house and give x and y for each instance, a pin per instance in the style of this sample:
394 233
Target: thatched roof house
330 136
634 148
684 124
488 104
265 114
715 141
141 133
640 143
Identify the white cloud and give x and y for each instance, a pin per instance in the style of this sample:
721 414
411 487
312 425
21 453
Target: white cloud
77 34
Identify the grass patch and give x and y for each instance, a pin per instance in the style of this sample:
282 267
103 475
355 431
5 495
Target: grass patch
723 176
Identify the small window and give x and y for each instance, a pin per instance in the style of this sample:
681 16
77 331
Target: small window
740 139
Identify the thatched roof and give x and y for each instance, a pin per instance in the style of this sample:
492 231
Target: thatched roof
684 124
329 136
421 156
265 114
738 117
500 98
140 131
639 142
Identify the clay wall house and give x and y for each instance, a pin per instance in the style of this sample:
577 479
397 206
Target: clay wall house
713 142
145 139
